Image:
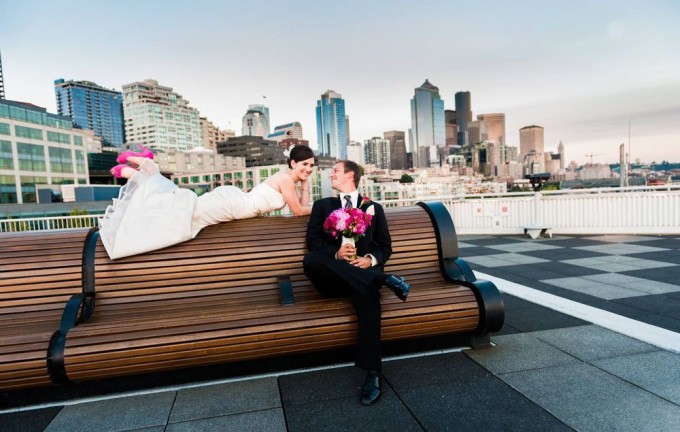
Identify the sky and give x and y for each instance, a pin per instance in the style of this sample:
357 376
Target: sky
583 70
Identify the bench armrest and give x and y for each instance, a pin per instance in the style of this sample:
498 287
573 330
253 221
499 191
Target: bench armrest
71 317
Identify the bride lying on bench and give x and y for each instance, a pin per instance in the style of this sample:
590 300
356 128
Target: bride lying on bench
151 212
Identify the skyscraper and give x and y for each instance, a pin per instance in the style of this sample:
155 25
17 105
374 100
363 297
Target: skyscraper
427 125
463 116
256 121
477 131
331 125
2 81
355 152
495 126
157 117
92 107
377 152
397 141
531 148
451 127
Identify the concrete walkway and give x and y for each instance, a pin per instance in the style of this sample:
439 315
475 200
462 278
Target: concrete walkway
548 371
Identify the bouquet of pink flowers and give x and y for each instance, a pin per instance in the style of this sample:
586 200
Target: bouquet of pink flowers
349 223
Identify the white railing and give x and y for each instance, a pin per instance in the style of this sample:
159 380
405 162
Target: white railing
48 223
632 210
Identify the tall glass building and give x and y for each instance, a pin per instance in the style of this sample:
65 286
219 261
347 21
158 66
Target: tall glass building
331 125
92 107
463 116
428 131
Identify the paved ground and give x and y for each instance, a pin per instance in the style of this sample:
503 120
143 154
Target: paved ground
548 370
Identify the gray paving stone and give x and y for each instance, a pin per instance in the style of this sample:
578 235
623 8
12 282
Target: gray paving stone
502 260
271 420
524 247
347 414
519 352
589 399
428 370
123 414
621 249
28 421
592 342
657 372
485 404
537 318
596 289
303 388
224 399
622 238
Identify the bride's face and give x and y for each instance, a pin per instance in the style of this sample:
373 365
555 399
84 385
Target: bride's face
303 169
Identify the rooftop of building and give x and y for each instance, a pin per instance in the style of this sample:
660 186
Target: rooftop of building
590 342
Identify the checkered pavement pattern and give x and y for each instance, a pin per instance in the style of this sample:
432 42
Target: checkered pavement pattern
632 275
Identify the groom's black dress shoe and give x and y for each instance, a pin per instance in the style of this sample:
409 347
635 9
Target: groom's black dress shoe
398 285
370 392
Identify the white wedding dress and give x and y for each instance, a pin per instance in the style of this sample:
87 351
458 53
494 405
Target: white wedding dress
151 212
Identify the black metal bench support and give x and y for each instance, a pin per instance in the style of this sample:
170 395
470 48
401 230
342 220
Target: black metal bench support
78 309
456 270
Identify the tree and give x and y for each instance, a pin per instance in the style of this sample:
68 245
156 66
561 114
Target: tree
405 178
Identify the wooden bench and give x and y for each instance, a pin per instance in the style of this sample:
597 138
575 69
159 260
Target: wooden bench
237 292
39 272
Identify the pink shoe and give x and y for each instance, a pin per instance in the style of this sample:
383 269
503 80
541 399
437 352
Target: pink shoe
145 153
116 171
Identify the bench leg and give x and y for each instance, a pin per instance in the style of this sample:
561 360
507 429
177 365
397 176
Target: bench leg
533 233
480 341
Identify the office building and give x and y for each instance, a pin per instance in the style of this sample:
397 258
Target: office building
451 128
159 118
427 125
2 81
38 150
495 126
463 116
398 159
531 149
560 151
530 138
92 107
355 152
211 134
256 121
331 125
377 152
256 150
286 131
477 131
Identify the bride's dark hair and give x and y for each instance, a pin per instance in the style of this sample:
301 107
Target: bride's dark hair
300 153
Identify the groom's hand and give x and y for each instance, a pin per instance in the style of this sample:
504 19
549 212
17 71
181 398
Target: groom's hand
362 262
346 252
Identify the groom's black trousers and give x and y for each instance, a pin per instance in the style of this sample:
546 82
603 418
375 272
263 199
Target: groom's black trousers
338 278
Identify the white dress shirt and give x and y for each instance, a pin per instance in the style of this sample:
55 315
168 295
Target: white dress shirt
355 198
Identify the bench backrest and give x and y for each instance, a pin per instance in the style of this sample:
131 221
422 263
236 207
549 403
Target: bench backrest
245 259
39 272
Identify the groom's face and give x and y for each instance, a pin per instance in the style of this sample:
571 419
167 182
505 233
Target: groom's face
340 180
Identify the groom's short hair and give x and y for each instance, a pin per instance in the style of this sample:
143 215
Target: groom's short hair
355 168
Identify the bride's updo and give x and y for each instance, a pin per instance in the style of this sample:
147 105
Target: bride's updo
298 153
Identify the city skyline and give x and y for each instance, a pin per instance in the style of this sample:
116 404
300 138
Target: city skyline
581 76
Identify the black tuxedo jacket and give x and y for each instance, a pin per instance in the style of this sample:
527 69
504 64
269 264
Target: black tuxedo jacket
376 241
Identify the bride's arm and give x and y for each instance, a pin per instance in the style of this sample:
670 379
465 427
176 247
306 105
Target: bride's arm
299 205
